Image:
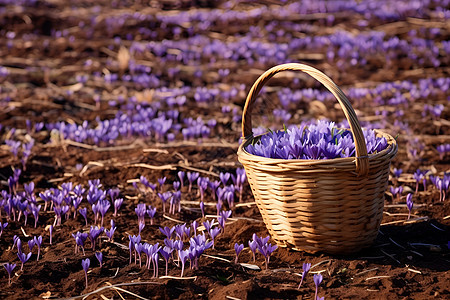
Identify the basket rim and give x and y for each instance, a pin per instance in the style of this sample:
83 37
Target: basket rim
391 149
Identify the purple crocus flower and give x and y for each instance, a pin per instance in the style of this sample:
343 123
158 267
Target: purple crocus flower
117 204
113 194
176 185
35 211
133 241
9 268
166 252
396 192
183 255
179 231
141 210
80 239
167 231
181 175
2 227
38 241
222 218
151 211
103 207
397 172
224 177
83 212
266 250
161 182
85 264
317 281
194 226
202 183
23 258
31 244
99 257
202 208
208 224
94 233
110 233
164 197
306 267
213 232
192 177
238 248
213 185
141 227
418 176
409 204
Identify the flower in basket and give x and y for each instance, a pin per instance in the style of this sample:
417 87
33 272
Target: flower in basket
316 141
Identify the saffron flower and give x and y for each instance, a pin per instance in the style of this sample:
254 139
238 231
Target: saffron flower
238 248
418 176
31 244
9 268
252 245
409 204
117 204
266 250
397 172
164 197
2 227
316 141
94 233
161 182
85 264
213 233
38 241
167 231
166 253
151 211
83 212
306 267
103 207
192 177
317 281
140 211
202 208
183 255
23 258
141 227
224 177
110 233
181 176
99 257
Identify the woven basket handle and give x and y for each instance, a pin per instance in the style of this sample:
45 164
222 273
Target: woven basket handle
362 159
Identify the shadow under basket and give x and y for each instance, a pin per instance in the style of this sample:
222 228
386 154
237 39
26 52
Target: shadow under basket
333 206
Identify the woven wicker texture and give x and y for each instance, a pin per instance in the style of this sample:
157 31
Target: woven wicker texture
334 206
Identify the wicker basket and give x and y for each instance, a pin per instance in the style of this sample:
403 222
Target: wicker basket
333 206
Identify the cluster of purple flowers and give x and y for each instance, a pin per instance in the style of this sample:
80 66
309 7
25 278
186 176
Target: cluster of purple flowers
316 141
135 119
173 248
64 201
258 244
442 184
26 149
221 191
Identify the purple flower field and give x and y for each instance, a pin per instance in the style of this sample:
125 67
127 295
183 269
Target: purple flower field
120 122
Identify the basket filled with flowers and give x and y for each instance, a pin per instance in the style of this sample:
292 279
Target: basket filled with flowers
318 187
